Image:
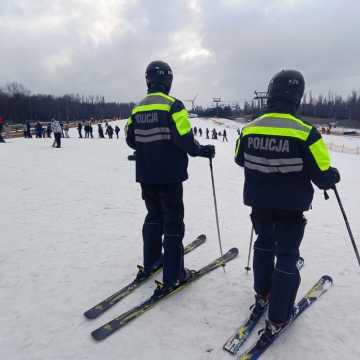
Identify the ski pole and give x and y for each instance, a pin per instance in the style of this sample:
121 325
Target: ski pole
347 224
216 209
247 268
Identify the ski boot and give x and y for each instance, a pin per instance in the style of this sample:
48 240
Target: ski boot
270 332
259 307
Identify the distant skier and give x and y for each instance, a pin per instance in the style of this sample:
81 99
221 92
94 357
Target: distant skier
91 130
195 130
110 131
281 155
48 130
28 130
224 136
2 124
56 129
101 131
66 130
200 132
117 130
38 130
214 134
62 130
160 131
79 127
207 133
87 130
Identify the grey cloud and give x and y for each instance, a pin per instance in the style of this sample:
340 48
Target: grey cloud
222 48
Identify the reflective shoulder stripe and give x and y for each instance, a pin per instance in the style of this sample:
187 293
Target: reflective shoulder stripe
151 107
181 119
321 154
169 98
286 116
237 146
156 98
276 131
278 124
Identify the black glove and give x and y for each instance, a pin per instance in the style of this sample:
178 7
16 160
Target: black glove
335 174
332 177
207 151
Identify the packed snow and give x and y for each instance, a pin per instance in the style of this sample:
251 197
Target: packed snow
71 222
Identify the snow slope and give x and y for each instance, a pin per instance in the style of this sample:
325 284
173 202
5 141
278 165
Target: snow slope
71 235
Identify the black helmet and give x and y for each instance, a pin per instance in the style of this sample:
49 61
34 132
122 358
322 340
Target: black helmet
286 86
159 76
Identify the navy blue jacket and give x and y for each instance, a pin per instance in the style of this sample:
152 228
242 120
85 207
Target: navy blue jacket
282 156
160 131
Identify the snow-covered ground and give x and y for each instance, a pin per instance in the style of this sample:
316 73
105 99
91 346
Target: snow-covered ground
71 235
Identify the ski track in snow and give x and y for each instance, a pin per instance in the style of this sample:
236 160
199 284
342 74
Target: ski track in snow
71 223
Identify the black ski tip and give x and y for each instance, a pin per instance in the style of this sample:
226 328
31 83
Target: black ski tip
91 314
234 251
100 334
327 279
202 237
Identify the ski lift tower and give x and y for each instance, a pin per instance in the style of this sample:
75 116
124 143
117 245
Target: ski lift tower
217 101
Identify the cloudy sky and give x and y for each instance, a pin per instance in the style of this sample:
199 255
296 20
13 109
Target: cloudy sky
217 48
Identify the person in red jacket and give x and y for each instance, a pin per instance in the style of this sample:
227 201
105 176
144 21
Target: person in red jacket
2 123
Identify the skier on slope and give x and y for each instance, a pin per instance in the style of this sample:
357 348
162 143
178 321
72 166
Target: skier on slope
101 131
117 131
109 131
79 127
57 130
281 155
160 131
224 135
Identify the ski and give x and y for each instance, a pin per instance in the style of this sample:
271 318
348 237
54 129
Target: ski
113 299
108 329
244 331
321 287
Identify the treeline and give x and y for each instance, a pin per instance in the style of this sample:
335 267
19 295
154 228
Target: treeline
324 107
332 106
220 111
18 105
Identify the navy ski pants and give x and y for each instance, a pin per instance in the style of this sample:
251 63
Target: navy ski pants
280 233
165 217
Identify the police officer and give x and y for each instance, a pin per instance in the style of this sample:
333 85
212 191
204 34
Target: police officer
282 156
160 131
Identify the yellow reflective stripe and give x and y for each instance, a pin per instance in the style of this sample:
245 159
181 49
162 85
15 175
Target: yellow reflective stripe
286 116
162 95
182 122
321 154
152 107
260 130
237 146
